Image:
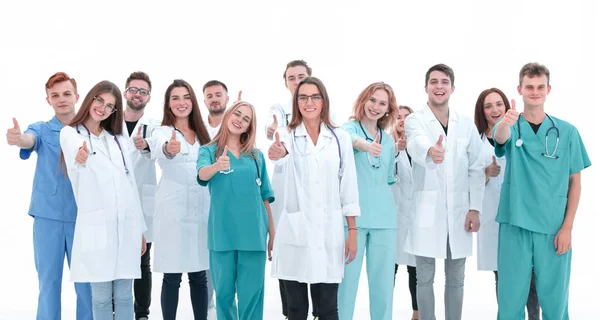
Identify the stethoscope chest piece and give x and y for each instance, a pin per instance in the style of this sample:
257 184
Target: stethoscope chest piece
519 143
258 182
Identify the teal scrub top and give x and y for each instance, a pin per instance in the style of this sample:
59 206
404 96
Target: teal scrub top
377 206
237 218
534 193
52 194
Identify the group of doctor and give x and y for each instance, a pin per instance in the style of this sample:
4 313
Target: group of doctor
397 186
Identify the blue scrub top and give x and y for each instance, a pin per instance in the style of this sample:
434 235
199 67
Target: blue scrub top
237 219
534 193
377 205
52 195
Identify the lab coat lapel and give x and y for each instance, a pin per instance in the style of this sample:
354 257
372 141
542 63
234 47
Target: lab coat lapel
324 137
452 129
434 124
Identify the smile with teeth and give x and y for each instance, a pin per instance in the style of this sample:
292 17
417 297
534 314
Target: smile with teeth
375 113
101 114
236 124
310 109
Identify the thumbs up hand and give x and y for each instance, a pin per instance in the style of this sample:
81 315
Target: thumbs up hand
82 154
272 128
512 115
401 142
239 98
375 147
493 170
437 151
139 142
223 161
13 135
173 146
277 150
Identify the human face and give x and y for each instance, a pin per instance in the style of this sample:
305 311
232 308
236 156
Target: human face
240 120
62 97
137 101
102 106
180 102
402 114
377 105
493 108
293 76
439 88
311 108
215 99
534 90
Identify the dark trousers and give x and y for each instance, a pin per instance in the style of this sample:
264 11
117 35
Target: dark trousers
314 297
325 305
169 295
142 288
533 305
412 284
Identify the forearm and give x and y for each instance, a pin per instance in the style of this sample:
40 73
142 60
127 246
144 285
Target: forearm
205 173
351 222
361 145
502 133
270 217
27 141
573 196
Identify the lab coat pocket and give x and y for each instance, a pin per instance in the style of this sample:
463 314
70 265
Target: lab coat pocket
91 227
560 207
148 195
293 229
425 208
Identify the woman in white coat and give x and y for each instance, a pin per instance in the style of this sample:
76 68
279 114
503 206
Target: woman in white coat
108 232
490 107
321 191
180 222
402 191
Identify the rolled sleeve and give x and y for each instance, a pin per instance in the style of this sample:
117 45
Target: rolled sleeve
205 158
34 129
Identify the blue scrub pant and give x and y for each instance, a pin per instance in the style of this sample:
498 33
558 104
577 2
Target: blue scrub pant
242 273
380 247
518 251
52 239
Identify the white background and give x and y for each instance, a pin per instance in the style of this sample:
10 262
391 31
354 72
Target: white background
246 44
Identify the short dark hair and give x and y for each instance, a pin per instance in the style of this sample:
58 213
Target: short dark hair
297 63
441 68
534 69
214 83
138 75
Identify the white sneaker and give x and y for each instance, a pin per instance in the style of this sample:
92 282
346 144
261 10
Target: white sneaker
212 314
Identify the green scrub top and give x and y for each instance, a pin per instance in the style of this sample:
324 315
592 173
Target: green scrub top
377 206
237 218
534 193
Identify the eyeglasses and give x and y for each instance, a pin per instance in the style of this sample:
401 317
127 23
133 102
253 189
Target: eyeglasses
134 90
107 106
315 98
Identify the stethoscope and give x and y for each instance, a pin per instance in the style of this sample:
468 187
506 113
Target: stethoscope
369 139
519 141
258 179
337 140
92 146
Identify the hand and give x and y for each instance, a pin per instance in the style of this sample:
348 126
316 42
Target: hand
511 116
270 245
401 143
144 246
277 150
139 142
272 128
493 170
350 247
562 241
82 154
472 221
13 135
375 148
239 96
223 161
174 146
437 151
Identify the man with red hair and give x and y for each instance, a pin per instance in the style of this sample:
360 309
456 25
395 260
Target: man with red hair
52 204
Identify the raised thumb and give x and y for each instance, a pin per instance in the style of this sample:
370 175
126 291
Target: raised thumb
440 140
173 135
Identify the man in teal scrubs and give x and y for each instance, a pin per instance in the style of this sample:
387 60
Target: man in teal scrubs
538 201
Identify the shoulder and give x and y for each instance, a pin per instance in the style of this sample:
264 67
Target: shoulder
68 130
210 148
352 124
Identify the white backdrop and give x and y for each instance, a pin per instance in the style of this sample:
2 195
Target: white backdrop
246 44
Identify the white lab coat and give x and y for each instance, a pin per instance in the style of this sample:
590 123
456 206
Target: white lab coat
110 223
212 132
309 242
182 205
443 194
144 169
487 237
403 192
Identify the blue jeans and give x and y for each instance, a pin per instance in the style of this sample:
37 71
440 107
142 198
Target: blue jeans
169 295
117 292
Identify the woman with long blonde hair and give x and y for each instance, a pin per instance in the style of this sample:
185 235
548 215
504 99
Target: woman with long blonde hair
240 215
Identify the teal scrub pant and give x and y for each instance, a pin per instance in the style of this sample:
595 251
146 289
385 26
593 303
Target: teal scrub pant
520 249
380 246
242 273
